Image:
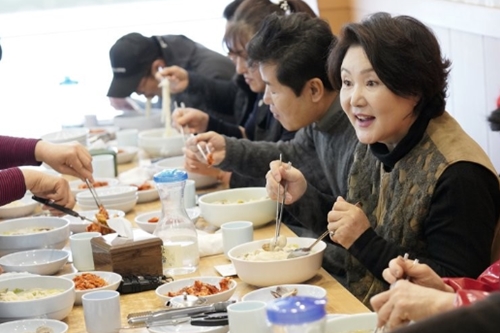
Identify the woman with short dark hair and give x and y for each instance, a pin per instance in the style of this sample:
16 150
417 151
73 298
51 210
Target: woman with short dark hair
425 186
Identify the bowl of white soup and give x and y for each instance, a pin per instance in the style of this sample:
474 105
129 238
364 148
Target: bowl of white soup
263 268
32 233
36 297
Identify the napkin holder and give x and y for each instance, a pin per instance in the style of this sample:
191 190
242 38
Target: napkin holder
125 256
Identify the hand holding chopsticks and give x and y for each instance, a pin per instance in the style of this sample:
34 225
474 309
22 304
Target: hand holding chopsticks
284 174
392 306
208 148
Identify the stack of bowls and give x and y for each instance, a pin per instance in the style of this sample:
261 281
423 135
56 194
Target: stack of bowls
78 185
117 197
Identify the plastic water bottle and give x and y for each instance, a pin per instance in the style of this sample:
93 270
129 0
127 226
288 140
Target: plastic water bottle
297 315
180 253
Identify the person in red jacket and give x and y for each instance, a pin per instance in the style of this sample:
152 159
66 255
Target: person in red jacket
417 292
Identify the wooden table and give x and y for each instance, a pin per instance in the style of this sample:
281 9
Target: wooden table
339 299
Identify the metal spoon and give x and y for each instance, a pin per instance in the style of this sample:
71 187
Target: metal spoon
304 251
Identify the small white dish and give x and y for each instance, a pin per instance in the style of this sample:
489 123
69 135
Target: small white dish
31 325
43 261
108 193
106 202
148 195
177 285
112 279
125 206
22 207
264 294
141 220
78 185
77 225
126 154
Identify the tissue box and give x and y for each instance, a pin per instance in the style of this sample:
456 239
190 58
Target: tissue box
138 256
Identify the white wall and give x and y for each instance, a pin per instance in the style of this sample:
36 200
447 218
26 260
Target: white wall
41 47
470 37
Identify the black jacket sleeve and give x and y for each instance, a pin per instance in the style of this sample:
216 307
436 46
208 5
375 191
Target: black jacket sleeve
459 228
219 95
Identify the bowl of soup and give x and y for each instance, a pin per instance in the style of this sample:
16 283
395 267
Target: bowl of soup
30 233
49 297
263 268
238 204
160 143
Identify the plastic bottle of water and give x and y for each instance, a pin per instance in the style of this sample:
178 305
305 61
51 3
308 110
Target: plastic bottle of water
176 230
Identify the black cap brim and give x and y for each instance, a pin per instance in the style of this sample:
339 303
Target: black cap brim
122 87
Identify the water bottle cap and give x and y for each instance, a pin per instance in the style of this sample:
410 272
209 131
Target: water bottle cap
170 176
296 310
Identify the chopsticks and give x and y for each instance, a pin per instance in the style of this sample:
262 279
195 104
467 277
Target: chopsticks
206 156
382 329
279 205
94 194
183 133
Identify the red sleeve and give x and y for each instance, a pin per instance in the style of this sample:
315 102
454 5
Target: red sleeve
489 280
12 186
470 290
17 152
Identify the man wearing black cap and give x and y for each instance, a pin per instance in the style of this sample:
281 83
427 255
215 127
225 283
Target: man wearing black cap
135 59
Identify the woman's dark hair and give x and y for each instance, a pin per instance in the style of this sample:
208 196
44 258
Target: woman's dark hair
404 53
298 45
250 14
228 12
